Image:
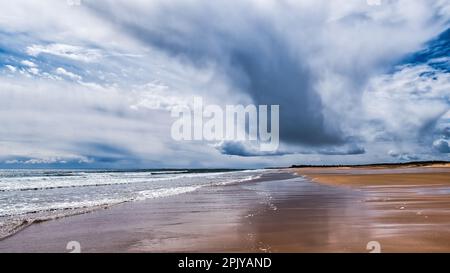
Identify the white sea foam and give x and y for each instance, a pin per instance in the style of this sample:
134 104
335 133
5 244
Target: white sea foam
31 190
27 196
92 179
158 193
18 209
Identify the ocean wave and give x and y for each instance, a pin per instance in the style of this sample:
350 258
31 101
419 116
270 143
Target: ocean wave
14 210
17 212
12 225
158 193
237 181
169 172
44 183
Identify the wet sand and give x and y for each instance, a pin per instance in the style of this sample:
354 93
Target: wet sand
409 207
277 213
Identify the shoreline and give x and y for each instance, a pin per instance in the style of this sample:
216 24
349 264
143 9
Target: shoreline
318 210
12 224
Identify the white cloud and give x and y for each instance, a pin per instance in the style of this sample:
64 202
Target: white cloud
405 102
58 22
33 70
28 63
403 156
61 71
67 121
11 68
72 52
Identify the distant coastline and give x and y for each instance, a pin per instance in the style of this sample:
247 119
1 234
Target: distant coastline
398 164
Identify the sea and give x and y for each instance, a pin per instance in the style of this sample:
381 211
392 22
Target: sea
28 196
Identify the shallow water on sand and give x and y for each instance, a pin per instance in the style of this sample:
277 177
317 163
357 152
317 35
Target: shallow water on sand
27 196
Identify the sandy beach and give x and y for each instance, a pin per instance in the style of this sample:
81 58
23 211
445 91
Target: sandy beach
287 210
409 207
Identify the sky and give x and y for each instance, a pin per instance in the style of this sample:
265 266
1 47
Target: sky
92 85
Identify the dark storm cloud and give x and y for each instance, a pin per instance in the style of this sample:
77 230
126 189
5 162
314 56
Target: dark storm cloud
245 150
240 149
254 55
442 146
104 153
315 66
352 150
